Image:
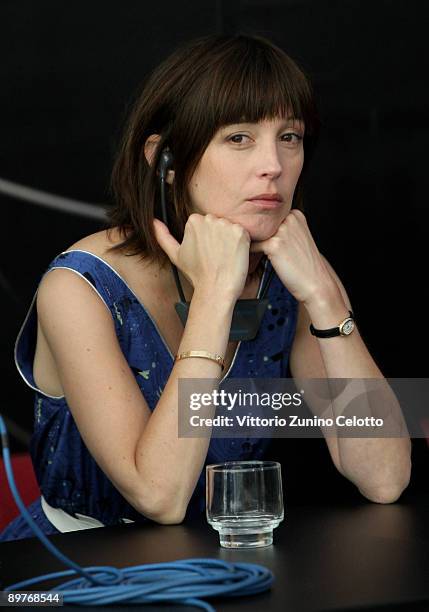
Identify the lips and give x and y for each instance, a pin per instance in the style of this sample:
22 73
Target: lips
269 197
267 201
265 204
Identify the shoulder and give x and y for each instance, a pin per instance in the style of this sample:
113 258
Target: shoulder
99 244
73 283
128 267
122 273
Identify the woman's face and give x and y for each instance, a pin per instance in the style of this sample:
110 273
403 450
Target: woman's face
246 160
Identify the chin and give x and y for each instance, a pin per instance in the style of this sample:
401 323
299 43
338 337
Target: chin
262 226
262 230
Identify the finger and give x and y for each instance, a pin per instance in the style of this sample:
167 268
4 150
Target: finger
165 240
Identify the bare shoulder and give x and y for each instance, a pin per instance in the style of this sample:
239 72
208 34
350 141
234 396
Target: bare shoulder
62 288
99 244
67 307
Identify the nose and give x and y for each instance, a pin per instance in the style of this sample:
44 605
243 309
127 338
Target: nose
269 164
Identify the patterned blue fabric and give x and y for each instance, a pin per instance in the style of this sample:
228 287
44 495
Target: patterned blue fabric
19 528
68 476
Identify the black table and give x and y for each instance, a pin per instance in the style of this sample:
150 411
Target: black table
360 556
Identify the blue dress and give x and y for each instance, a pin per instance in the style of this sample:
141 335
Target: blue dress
68 476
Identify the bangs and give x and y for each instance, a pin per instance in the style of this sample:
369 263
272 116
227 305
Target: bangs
253 83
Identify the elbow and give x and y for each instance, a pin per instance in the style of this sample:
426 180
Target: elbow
165 511
170 520
387 493
171 516
383 495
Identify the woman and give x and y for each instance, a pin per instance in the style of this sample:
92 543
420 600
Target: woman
236 114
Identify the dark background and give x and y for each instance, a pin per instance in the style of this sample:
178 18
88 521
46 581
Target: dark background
69 72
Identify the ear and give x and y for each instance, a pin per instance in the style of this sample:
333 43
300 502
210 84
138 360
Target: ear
150 151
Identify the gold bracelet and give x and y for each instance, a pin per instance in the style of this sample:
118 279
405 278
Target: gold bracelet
204 354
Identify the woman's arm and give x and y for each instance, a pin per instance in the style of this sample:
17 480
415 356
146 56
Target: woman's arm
379 467
140 451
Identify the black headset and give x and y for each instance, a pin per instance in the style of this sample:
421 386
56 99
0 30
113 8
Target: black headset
165 162
248 314
164 165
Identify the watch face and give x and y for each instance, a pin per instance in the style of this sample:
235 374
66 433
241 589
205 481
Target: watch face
347 327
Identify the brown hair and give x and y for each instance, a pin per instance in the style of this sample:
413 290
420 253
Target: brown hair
205 84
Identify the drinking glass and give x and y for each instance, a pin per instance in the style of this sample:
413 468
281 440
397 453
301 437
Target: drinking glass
244 502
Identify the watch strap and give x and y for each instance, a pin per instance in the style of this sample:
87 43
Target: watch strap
331 332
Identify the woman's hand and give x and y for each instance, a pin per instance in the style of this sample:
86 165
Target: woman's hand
214 253
297 261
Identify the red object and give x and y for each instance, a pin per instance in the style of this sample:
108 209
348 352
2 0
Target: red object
26 484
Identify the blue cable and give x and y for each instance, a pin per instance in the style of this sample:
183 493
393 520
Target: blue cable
178 582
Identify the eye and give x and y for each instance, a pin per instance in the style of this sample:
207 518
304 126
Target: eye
292 138
237 138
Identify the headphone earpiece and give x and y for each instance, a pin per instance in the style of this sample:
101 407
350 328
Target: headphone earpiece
165 162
